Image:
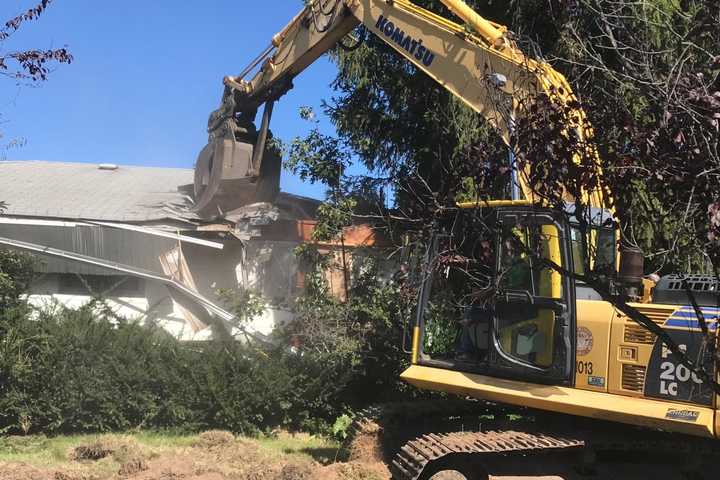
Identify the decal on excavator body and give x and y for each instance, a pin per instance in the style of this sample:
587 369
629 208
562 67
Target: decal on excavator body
686 317
412 46
667 378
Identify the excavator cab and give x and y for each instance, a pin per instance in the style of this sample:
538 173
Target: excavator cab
491 303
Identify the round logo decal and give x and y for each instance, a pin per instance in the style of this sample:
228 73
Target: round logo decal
584 341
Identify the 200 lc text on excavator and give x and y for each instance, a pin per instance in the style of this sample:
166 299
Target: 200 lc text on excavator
502 313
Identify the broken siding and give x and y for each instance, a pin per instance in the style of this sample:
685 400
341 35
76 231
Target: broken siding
126 247
270 268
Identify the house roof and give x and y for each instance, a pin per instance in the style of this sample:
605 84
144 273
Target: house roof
85 191
125 194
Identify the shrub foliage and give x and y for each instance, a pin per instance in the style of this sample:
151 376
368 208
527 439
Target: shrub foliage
66 370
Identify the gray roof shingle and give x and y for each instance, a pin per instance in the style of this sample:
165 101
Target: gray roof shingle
83 191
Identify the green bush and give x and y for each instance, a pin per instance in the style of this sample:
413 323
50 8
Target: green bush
247 390
66 370
70 372
16 272
359 340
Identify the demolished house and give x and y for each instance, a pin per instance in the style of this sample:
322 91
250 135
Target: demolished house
134 240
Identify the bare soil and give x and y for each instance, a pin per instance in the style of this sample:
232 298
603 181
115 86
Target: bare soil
214 456
219 455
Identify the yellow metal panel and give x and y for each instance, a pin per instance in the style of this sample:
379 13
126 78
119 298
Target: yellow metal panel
297 47
593 245
489 31
459 64
604 406
551 251
451 26
630 353
594 318
415 345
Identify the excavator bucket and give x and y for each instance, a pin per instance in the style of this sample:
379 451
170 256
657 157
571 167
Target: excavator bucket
231 173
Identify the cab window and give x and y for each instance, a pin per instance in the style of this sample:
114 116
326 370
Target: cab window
600 248
526 258
457 314
526 330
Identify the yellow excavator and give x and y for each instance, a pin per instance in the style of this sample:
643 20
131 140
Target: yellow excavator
540 339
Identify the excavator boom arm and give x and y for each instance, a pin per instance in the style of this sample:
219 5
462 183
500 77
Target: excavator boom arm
475 61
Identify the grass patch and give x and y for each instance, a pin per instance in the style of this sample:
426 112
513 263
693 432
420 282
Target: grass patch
53 452
164 439
38 450
299 445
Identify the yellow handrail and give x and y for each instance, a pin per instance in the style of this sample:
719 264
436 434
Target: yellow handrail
494 35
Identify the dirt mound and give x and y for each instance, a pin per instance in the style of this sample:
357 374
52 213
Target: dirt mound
121 449
133 466
214 438
22 471
354 471
214 456
166 467
298 471
93 451
366 445
74 476
244 460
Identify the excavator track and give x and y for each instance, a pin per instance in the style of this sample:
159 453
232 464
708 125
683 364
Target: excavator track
379 431
481 440
421 458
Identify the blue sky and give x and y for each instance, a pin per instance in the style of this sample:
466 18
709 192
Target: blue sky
145 77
